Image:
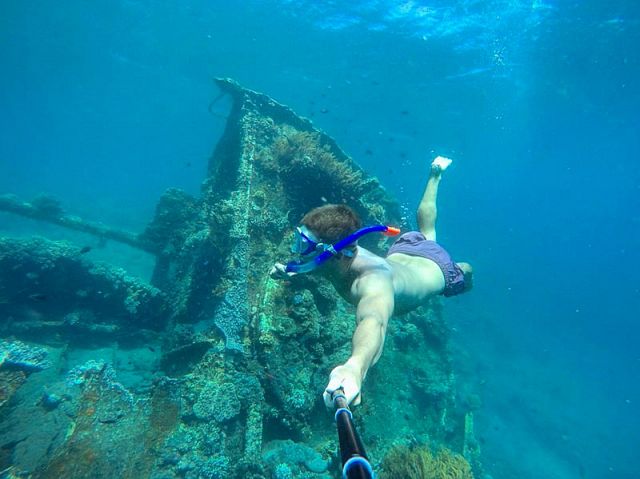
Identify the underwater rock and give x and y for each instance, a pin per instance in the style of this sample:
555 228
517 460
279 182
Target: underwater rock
110 433
73 293
10 382
17 361
288 452
217 402
20 356
182 359
50 401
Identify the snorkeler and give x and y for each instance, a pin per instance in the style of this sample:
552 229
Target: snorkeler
415 268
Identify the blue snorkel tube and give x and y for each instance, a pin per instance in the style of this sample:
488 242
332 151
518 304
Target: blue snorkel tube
333 250
355 464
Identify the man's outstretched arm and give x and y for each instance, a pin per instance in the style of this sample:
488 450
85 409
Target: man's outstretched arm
373 312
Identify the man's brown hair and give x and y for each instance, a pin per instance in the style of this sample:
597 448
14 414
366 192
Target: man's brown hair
331 223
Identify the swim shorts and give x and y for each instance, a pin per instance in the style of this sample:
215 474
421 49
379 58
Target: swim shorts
414 243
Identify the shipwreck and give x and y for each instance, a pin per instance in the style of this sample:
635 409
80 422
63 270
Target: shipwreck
212 369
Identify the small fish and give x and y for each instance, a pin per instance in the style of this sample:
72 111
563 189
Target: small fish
85 249
368 152
324 110
152 349
38 297
404 112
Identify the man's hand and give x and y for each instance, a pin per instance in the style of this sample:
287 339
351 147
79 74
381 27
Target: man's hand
279 271
349 378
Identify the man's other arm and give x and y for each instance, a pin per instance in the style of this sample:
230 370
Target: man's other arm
374 309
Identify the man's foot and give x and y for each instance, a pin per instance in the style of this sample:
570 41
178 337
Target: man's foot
440 163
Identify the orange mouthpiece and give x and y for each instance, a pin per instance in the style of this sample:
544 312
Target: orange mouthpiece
391 231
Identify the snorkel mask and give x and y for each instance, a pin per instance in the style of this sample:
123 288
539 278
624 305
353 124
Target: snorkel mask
306 244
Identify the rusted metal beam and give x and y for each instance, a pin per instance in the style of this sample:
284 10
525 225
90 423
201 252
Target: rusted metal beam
47 209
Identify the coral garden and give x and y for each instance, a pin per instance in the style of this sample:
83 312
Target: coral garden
215 370
420 462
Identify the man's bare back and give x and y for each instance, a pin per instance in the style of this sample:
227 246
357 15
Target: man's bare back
412 279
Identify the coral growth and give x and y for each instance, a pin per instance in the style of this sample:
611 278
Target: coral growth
217 402
288 455
402 462
316 171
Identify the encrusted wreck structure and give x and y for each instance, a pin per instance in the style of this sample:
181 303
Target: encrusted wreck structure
213 370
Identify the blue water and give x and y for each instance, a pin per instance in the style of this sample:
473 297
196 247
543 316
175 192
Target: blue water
106 103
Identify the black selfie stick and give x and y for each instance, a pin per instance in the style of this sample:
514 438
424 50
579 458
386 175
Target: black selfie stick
355 464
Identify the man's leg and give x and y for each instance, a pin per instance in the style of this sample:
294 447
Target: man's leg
427 210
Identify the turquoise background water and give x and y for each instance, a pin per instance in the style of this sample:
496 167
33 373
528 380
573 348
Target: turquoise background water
105 104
